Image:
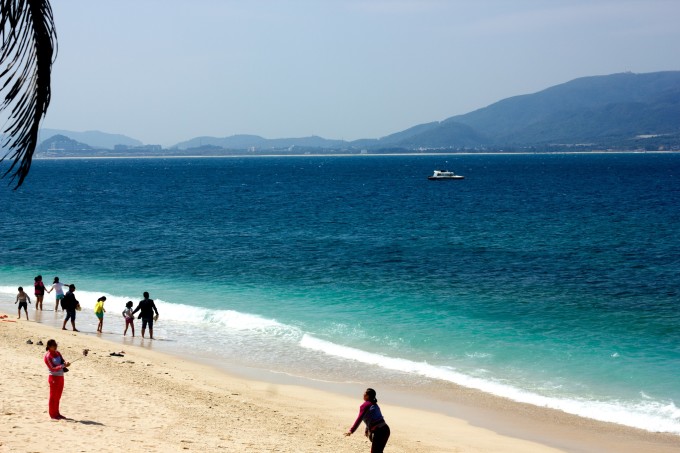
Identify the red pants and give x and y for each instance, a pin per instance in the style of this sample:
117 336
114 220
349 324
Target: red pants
56 388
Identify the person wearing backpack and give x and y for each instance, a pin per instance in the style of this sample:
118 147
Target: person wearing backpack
376 430
147 308
69 304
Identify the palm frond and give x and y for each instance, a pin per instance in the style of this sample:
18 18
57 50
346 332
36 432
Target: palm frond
28 49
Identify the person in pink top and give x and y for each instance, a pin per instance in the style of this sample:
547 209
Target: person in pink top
39 290
377 430
56 364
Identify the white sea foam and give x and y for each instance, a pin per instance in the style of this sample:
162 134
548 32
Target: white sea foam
649 415
9 291
185 314
477 355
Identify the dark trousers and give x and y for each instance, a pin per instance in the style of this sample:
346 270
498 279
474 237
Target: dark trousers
70 314
380 437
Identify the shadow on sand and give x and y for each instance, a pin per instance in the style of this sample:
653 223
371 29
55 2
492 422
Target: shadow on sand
88 422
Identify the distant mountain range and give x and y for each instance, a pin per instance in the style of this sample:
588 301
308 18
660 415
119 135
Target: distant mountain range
625 111
619 106
255 141
95 139
59 143
600 110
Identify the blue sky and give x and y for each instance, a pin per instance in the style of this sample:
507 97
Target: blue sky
163 71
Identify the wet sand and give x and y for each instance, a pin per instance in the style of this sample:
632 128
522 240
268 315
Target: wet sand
148 400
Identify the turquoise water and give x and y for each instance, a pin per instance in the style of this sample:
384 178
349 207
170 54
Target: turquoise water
549 279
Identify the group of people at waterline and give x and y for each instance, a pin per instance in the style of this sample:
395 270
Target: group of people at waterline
70 305
376 429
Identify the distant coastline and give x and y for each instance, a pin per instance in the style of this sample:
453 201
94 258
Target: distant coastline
249 155
631 113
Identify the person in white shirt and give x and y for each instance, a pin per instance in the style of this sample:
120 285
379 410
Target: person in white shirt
59 288
129 318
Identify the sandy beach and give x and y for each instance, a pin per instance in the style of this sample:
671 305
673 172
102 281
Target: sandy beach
151 401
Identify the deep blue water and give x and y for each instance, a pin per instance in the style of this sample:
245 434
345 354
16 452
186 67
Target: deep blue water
550 279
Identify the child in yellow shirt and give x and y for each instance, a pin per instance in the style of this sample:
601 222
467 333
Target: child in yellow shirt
99 311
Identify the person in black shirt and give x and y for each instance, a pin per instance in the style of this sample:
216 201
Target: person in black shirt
146 308
69 304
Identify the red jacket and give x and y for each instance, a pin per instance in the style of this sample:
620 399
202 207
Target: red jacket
55 363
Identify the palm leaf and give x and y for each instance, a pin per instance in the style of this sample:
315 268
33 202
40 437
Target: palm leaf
26 56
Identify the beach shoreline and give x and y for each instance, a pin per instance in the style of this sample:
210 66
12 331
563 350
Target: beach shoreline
104 395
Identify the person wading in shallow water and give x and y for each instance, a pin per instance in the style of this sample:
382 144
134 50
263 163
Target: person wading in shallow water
22 298
146 308
377 430
59 288
69 304
40 289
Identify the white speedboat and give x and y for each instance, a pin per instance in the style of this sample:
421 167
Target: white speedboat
444 174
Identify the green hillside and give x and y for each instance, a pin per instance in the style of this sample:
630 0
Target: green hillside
617 106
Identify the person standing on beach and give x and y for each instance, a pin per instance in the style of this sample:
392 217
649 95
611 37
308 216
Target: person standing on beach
377 430
59 295
22 297
39 292
129 318
146 308
56 364
99 312
69 304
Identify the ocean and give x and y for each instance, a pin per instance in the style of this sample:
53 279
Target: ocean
547 279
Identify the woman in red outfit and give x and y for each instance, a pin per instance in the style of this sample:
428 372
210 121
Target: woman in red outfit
56 364
376 429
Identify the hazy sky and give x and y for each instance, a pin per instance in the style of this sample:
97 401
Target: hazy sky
163 71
